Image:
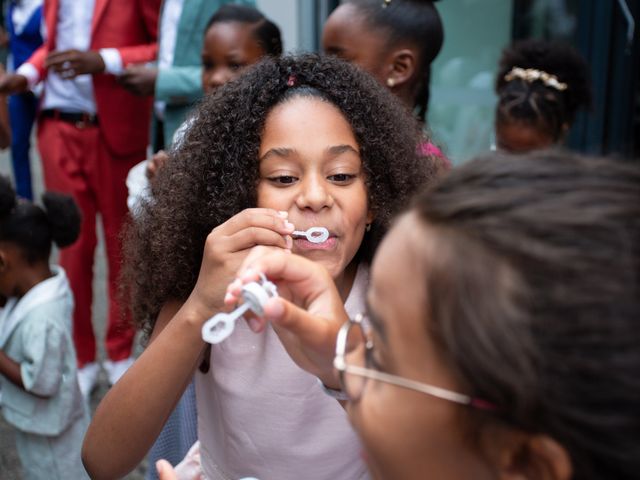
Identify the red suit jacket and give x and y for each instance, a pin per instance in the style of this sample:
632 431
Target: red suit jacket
131 26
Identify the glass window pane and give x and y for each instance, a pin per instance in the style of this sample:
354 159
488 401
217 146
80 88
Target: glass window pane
461 108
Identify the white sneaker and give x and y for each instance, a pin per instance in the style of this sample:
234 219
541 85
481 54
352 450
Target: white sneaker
116 369
88 377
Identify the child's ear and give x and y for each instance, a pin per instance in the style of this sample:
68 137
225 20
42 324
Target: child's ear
370 217
524 456
403 67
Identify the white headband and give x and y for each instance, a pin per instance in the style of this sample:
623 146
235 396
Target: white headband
531 75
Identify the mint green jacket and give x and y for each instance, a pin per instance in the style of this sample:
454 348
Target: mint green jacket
180 86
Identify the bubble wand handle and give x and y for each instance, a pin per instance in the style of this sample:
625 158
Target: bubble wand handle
314 234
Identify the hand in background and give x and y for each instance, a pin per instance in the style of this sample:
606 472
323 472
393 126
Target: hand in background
71 63
165 470
4 38
12 83
139 79
157 161
188 469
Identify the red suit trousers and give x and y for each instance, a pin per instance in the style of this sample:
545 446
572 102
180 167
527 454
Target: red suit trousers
77 161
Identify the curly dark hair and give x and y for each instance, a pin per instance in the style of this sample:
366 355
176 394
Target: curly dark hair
34 228
214 173
553 338
533 102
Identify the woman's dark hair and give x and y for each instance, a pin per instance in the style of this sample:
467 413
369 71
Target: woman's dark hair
266 33
33 228
534 298
535 103
214 174
414 21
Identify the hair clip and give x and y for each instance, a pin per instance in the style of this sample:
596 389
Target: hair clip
291 81
531 75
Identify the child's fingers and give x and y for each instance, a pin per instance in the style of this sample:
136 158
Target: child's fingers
309 339
253 236
311 331
315 333
257 217
251 266
282 266
165 470
234 289
303 278
256 324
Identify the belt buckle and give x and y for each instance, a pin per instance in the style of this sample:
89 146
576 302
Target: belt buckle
86 120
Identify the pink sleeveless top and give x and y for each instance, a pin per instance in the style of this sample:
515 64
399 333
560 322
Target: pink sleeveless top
260 415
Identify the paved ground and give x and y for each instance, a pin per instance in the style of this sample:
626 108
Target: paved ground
9 464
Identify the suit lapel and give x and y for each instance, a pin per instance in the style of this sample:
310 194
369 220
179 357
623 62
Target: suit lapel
50 13
98 10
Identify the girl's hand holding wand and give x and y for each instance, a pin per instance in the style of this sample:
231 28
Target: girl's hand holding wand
307 314
226 248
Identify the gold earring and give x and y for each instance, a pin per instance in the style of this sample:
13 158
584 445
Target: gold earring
390 82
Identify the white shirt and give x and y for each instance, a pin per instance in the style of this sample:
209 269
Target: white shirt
16 309
73 32
22 13
137 181
171 13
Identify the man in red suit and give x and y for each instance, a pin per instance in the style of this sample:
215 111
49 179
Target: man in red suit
91 131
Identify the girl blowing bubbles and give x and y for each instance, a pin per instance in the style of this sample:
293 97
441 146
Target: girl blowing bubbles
236 37
294 143
40 393
503 339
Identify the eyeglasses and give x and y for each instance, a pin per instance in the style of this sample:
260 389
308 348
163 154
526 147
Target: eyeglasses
354 356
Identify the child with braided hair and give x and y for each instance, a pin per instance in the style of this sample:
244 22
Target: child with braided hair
540 86
395 41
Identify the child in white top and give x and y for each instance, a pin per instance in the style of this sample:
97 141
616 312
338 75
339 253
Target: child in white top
40 392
